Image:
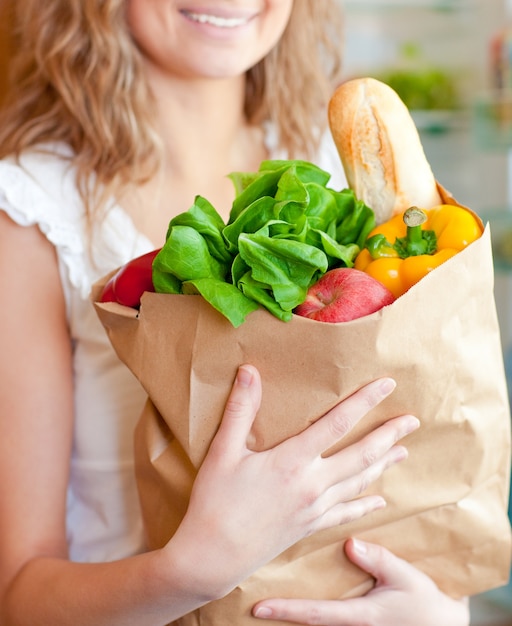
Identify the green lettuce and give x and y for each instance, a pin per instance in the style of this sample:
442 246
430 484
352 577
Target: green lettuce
286 229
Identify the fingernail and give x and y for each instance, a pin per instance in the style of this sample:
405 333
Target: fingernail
387 385
359 546
263 612
244 376
412 424
380 504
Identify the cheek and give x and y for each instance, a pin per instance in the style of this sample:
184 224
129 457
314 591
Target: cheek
158 32
146 19
153 28
133 12
279 16
266 35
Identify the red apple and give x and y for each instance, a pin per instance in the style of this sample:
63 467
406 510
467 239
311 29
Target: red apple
344 294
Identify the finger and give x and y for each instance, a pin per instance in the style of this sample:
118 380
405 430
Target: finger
319 612
383 565
350 511
362 454
341 419
241 409
337 499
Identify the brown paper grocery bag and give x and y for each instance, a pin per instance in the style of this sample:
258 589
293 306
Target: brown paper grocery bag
447 504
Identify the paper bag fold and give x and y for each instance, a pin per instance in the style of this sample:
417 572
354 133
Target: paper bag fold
447 504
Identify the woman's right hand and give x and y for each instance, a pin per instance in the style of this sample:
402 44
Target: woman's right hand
247 507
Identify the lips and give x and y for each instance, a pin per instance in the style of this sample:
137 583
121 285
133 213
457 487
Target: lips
219 21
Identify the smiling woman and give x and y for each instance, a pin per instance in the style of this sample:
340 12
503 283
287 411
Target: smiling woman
210 40
122 111
217 40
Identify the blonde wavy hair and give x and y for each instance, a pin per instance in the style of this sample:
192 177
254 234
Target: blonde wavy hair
77 78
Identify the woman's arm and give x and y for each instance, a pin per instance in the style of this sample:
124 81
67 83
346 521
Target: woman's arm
245 508
402 596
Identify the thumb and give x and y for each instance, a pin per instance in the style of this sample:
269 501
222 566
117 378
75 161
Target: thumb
241 408
383 565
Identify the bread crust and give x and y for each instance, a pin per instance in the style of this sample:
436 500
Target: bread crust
380 148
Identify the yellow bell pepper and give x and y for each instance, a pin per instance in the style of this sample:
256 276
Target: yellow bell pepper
401 251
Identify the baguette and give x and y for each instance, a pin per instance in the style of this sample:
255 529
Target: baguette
380 148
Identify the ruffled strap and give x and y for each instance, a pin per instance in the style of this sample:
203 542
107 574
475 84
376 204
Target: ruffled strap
28 203
41 190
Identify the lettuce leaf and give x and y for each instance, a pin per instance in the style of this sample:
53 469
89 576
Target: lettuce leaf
286 228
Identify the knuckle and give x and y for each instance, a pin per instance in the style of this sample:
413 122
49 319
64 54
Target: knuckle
289 472
363 483
309 499
235 407
350 513
368 477
339 426
314 617
369 457
371 400
296 480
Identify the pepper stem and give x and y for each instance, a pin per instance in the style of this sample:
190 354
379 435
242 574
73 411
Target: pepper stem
416 241
414 218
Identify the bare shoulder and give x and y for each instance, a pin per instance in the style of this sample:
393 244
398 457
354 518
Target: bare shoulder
22 242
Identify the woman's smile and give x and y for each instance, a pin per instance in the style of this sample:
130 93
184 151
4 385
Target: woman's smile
207 38
217 20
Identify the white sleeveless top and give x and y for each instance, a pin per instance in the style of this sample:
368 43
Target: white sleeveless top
103 517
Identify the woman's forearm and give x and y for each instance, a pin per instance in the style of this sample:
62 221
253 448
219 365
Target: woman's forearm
143 590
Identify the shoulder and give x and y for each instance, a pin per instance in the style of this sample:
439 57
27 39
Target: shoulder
39 187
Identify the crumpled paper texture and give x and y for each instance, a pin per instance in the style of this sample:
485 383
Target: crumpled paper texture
447 504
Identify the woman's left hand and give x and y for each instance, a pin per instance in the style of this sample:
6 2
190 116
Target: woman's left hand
402 596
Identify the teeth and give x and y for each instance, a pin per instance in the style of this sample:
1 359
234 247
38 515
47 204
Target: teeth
221 22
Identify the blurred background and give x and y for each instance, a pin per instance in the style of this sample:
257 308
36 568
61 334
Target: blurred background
451 61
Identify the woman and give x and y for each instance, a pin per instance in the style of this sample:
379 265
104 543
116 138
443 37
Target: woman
120 112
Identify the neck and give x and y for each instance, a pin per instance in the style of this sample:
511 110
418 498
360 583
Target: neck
205 136
198 119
